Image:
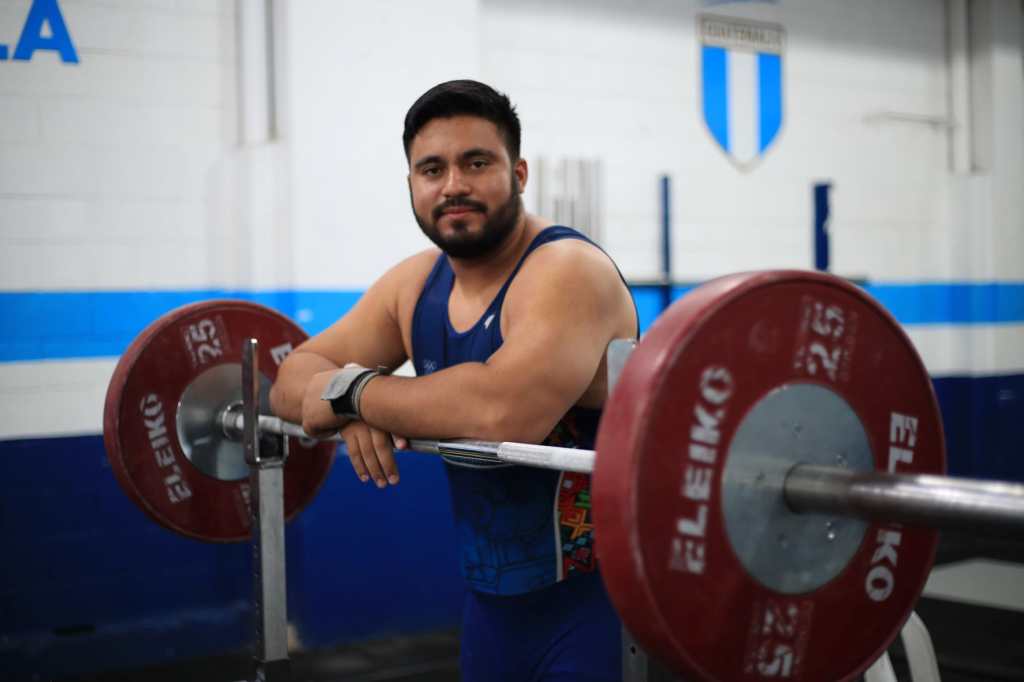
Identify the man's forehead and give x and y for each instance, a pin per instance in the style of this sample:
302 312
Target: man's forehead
456 134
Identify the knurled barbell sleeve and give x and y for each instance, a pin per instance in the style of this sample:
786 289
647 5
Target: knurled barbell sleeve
919 499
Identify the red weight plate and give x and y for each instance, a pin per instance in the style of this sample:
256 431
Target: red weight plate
197 349
665 437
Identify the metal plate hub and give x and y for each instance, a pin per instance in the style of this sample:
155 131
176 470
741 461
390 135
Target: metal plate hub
203 440
794 424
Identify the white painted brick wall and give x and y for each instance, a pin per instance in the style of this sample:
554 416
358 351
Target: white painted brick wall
147 119
108 168
20 119
621 81
1008 162
351 75
100 121
29 392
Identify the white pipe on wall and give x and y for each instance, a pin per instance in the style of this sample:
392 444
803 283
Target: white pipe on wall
958 79
255 71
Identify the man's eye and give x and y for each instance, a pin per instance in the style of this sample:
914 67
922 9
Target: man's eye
479 163
431 171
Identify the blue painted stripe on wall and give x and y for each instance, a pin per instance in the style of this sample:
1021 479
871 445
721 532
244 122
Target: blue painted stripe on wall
769 75
715 92
948 303
62 325
648 302
953 303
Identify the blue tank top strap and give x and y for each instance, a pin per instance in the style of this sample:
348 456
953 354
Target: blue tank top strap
439 281
429 316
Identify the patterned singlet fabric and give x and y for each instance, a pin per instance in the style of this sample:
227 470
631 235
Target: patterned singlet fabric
519 528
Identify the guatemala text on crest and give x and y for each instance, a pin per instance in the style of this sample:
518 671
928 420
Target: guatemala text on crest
741 85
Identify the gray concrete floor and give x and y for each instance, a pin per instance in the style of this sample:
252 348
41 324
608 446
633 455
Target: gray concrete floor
973 609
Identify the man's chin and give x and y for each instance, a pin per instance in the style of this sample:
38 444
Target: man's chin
455 227
466 249
460 224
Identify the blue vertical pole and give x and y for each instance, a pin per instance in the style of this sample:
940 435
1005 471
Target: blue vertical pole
666 243
821 214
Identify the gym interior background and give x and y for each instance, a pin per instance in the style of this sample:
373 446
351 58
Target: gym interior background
159 152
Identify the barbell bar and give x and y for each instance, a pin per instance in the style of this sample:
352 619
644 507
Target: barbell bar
934 501
751 385
526 454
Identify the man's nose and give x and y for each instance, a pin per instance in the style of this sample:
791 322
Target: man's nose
455 184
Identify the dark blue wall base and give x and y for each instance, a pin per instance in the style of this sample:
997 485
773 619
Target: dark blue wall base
984 422
89 583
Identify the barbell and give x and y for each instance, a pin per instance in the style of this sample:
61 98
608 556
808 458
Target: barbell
938 501
766 480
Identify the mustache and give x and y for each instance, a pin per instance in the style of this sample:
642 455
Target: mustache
456 202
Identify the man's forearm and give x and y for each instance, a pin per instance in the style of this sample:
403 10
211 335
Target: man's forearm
460 402
290 387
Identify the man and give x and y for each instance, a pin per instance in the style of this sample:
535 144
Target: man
507 326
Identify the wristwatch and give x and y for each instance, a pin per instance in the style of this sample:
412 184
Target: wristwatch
345 388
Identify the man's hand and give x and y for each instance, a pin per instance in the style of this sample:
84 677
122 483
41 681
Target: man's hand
318 419
372 452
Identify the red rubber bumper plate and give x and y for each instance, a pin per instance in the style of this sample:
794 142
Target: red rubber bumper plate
667 435
162 405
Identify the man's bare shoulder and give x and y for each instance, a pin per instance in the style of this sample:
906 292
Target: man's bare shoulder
407 273
577 279
391 289
416 266
573 262
405 281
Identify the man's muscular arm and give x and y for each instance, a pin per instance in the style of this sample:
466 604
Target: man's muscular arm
563 308
368 335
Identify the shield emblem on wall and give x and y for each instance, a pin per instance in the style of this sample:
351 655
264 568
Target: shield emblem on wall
741 85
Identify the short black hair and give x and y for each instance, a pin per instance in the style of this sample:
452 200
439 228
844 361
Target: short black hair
464 98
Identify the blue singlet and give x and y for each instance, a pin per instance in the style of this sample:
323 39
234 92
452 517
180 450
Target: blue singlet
521 531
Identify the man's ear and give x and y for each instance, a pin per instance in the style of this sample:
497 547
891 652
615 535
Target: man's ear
522 171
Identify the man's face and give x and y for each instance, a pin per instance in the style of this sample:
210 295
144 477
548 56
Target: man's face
465 190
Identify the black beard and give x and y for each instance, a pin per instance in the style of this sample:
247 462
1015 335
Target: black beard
495 231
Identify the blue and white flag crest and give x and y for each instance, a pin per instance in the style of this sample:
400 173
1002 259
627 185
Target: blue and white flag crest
741 85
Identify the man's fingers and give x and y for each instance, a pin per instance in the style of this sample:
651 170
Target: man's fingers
372 453
354 455
401 442
385 454
369 457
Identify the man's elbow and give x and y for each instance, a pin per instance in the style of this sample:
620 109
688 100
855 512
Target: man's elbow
518 422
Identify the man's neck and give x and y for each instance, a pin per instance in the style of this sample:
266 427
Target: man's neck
479 274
